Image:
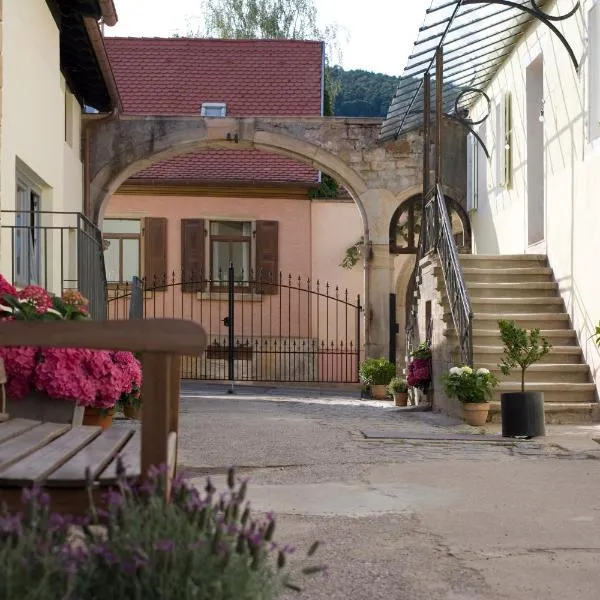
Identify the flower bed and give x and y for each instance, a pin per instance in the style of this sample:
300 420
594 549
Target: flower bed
91 378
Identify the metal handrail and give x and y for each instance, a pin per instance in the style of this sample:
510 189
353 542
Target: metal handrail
436 236
456 289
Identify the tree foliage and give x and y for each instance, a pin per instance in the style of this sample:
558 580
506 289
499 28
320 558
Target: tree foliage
361 93
266 19
521 348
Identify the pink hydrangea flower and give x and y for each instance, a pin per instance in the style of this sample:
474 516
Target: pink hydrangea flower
19 365
418 372
63 373
38 296
6 288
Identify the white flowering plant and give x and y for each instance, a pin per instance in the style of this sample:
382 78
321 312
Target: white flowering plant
469 385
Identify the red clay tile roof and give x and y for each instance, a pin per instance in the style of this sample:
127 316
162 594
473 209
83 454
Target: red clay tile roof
230 165
174 76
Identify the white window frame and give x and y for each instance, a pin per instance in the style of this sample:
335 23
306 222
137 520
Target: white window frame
594 72
27 258
213 109
117 238
472 173
251 248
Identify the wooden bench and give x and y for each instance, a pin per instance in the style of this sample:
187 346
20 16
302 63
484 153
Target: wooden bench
57 456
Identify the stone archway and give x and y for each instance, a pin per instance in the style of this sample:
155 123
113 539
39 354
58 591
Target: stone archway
375 174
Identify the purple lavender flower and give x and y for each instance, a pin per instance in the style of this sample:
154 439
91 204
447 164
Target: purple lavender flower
164 545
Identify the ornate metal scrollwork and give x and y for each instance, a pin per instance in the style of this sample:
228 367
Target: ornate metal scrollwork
538 10
462 118
538 13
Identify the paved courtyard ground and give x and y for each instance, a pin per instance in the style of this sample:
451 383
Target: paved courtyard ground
405 519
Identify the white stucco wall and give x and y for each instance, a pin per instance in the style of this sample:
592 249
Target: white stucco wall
571 174
33 121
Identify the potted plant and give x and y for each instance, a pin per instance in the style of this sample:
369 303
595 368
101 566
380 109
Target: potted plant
419 367
63 385
377 374
130 403
522 412
398 388
473 388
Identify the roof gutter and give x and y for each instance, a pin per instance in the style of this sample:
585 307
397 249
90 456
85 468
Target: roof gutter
97 41
109 12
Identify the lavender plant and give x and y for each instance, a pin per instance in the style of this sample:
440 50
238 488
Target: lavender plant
200 545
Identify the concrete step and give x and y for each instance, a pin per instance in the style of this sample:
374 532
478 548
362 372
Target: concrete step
553 392
511 275
544 373
491 337
503 261
557 355
558 413
535 289
517 305
528 321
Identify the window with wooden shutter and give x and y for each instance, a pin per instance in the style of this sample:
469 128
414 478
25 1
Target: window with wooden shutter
193 244
267 256
155 251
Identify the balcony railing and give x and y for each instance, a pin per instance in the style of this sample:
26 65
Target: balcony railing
56 250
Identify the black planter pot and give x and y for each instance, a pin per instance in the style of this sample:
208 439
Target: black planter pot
522 414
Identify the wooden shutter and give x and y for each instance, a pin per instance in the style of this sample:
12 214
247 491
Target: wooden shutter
193 244
155 251
267 256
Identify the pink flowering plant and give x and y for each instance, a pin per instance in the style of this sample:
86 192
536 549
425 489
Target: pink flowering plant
95 378
419 371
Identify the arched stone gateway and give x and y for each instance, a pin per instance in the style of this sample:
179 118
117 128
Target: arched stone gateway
376 175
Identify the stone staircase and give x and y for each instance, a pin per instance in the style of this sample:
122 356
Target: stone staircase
522 288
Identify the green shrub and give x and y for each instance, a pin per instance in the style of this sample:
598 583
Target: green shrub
200 546
521 348
469 385
398 386
377 371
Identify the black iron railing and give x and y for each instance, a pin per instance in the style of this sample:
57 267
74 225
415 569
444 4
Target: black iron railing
436 236
456 289
280 328
58 251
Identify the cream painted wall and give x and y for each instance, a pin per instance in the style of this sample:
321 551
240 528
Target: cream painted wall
33 124
571 172
335 226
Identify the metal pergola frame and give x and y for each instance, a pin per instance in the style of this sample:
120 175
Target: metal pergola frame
456 55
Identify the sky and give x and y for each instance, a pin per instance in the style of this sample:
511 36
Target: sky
378 39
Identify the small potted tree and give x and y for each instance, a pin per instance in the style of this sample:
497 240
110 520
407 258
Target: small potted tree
398 388
377 374
522 412
473 388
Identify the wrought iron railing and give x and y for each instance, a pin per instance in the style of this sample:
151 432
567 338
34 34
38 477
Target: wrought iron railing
436 236
456 289
56 250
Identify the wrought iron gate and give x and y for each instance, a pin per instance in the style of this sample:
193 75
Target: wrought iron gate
289 329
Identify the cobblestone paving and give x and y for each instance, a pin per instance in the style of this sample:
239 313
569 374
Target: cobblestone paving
402 519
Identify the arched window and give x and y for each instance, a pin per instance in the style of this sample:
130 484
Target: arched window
405 226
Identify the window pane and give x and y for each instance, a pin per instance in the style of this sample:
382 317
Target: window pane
240 256
220 259
121 226
131 259
230 228
111 261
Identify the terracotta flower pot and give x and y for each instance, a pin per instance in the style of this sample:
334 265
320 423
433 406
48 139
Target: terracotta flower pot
98 417
379 392
401 398
132 412
476 413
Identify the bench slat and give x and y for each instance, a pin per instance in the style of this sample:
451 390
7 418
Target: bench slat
95 455
39 464
132 461
21 446
15 427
